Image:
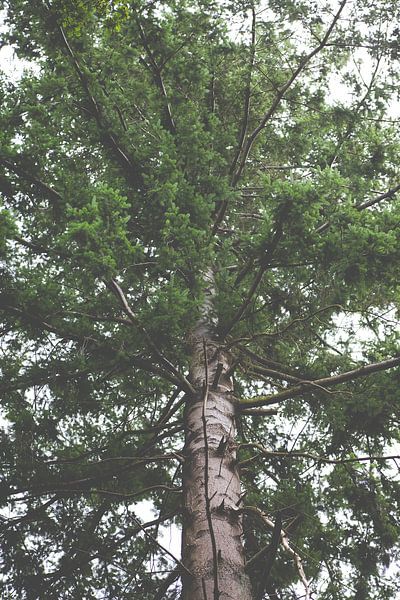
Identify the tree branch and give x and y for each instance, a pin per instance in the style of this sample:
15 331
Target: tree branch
284 540
165 550
269 252
117 291
363 371
272 550
155 69
308 455
130 169
247 92
281 93
168 581
50 192
78 562
366 204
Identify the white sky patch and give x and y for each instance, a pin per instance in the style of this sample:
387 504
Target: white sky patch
10 65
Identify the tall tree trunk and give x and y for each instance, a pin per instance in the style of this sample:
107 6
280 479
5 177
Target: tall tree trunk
212 547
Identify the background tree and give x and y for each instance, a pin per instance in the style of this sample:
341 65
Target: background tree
200 251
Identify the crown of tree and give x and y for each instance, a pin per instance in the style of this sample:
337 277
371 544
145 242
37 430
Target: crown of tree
199 256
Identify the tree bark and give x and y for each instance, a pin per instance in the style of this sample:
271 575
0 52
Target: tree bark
212 548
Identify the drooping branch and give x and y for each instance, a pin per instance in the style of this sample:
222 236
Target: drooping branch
306 386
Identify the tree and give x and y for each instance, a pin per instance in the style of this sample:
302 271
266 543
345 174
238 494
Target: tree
199 291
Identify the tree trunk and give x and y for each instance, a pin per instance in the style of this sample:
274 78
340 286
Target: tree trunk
212 547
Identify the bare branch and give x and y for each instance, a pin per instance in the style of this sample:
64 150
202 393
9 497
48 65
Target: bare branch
309 456
305 386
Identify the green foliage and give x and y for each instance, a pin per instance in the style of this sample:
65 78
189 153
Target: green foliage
118 152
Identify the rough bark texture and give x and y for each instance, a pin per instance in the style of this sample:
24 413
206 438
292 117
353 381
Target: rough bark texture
212 531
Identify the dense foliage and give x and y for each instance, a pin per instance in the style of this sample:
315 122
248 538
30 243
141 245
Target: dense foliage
148 141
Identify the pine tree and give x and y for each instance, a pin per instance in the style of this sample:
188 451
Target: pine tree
199 297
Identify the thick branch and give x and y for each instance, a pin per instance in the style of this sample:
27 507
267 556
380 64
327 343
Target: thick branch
325 381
